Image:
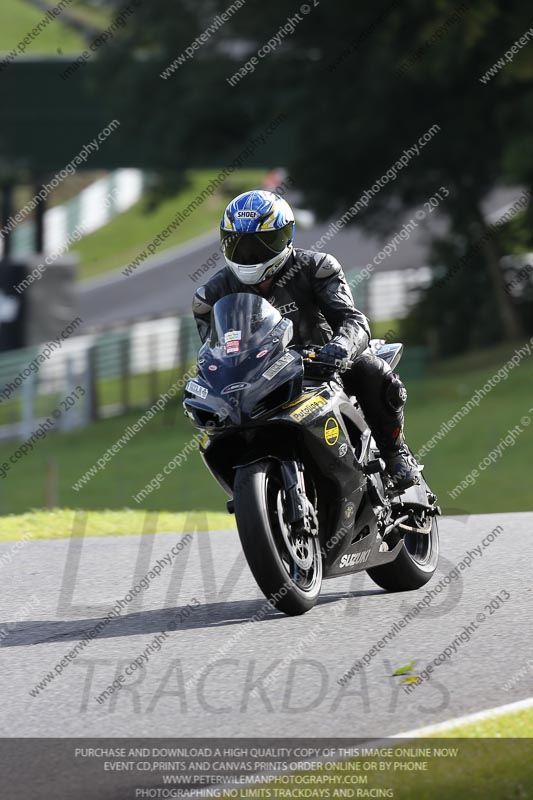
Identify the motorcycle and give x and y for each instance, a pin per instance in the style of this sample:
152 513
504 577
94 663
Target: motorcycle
309 491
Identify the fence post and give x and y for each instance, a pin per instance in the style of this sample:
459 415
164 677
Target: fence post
92 384
28 402
67 419
125 373
154 364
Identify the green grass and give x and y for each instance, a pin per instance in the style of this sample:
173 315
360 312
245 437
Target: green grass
71 454
485 767
482 770
380 329
518 724
139 389
503 487
19 18
65 522
121 240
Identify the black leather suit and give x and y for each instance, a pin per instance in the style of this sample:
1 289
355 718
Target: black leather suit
312 291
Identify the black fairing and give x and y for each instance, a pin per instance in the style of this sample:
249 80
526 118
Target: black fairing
253 404
243 346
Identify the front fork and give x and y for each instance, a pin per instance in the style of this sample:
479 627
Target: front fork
299 512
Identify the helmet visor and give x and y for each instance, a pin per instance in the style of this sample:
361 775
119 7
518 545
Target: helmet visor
248 249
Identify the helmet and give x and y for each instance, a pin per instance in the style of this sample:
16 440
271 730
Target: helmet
256 234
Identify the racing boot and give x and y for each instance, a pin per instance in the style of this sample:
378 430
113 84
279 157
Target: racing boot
401 466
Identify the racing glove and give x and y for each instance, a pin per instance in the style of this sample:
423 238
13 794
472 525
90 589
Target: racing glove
333 358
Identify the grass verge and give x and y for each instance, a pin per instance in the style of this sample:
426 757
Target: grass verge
490 760
63 523
484 769
18 20
516 725
501 486
31 481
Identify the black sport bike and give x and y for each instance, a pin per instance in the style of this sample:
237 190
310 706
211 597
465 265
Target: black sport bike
309 491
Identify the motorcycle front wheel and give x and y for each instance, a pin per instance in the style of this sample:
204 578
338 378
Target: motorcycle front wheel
286 567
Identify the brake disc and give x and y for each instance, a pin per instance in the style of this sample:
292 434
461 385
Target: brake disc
300 546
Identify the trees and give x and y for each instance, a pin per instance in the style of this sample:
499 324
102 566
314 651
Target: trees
387 94
360 83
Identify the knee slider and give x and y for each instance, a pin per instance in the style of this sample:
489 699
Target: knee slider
394 392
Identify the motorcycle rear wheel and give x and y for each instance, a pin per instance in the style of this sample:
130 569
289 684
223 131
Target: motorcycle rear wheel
414 565
287 585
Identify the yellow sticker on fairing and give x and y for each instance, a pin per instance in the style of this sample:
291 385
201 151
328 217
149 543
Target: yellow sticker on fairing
331 431
298 400
308 408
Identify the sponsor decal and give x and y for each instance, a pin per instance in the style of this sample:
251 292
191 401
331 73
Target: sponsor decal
234 387
232 348
308 408
351 559
331 431
289 308
278 365
299 399
343 449
232 336
212 368
349 511
195 388
246 214
262 354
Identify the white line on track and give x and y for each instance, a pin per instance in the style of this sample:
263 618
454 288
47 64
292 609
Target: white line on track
479 716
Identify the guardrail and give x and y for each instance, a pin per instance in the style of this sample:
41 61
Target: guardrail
120 369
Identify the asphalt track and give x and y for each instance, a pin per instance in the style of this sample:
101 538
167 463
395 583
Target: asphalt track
164 284
202 679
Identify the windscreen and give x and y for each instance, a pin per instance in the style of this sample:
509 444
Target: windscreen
240 322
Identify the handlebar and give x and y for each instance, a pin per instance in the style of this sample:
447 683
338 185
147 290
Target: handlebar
309 358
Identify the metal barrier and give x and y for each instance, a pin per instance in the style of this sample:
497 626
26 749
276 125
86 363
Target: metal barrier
119 369
388 294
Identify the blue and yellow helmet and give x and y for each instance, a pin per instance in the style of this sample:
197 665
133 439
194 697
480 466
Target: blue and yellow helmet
256 233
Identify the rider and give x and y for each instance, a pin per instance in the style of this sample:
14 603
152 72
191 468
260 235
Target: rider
309 288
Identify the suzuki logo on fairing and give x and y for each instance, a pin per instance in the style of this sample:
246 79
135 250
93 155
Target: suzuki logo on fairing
351 559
